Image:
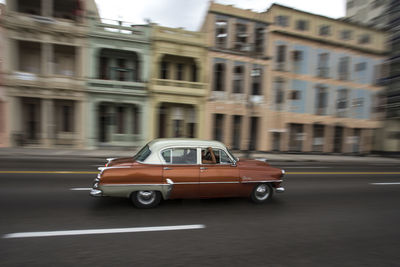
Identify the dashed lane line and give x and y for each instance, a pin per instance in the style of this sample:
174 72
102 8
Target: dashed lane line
385 183
104 231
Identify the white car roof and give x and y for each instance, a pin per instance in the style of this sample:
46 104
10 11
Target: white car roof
157 145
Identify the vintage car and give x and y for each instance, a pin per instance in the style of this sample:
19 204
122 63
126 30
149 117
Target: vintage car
186 168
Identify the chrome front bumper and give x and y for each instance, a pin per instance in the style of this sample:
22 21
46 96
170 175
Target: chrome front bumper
280 189
96 193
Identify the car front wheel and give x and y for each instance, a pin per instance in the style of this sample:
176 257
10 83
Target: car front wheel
146 198
261 193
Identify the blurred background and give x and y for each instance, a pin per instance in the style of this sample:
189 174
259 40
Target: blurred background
257 76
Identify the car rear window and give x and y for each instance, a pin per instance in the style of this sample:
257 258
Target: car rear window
143 153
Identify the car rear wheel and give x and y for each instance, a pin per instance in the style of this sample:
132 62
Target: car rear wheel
146 198
261 193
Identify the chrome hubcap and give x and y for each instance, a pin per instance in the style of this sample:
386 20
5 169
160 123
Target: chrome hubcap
146 197
262 192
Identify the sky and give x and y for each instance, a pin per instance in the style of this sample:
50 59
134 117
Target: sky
189 14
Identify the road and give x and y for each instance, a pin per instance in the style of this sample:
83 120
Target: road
332 214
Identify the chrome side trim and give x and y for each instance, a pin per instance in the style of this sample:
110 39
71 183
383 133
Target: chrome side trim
262 181
125 190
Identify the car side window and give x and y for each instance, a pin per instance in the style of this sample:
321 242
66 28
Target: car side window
221 157
180 155
214 156
166 154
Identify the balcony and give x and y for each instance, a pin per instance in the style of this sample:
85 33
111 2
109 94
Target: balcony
33 80
179 87
106 28
117 87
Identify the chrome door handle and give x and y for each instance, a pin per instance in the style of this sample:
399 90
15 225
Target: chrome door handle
167 168
203 168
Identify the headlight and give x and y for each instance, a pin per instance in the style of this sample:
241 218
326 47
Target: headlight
283 172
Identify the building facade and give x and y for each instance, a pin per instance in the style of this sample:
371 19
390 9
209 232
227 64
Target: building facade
3 115
238 66
118 75
178 83
318 80
370 12
43 67
391 130
384 14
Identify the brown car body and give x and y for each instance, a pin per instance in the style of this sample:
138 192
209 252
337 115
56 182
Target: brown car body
137 178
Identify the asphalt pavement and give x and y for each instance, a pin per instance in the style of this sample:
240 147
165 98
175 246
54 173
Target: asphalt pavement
332 214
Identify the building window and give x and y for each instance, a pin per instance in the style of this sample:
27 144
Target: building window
191 129
120 120
259 40
177 127
256 74
136 122
364 39
236 131
341 104
345 35
344 68
323 69
282 21
279 93
179 71
66 117
194 73
121 69
295 95
218 127
221 33
253 133
321 101
281 57
324 30
302 25
241 37
104 74
164 70
361 66
219 77
297 55
238 75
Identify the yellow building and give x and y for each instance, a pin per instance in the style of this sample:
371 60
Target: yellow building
177 86
317 78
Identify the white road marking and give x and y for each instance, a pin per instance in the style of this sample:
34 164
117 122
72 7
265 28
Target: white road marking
105 231
384 183
81 189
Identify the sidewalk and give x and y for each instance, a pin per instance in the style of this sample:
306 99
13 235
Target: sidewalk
271 157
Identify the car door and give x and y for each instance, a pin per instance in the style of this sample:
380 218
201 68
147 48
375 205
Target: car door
182 169
219 179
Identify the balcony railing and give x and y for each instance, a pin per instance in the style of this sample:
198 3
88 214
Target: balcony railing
176 83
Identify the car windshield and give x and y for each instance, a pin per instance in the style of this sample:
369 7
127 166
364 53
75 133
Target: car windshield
142 154
230 153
